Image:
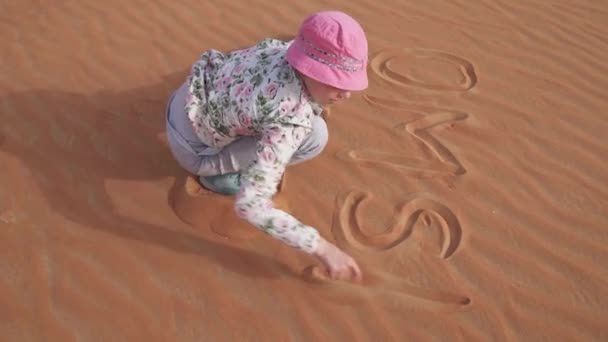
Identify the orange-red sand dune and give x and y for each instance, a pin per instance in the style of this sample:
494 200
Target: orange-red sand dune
469 181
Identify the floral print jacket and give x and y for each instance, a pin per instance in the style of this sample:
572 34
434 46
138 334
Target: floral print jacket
255 91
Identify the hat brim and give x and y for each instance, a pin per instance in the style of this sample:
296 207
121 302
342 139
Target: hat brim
326 74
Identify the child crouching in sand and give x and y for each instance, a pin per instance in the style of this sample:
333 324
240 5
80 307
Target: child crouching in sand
241 118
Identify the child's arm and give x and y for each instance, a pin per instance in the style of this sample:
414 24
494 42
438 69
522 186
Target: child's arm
254 202
259 184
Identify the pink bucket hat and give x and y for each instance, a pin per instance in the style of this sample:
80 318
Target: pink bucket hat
331 48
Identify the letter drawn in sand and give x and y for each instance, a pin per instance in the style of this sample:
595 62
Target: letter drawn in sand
431 116
346 225
446 162
347 228
420 128
382 65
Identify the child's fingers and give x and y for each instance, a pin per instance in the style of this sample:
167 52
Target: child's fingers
356 271
334 273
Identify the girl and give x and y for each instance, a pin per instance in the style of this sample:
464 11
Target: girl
241 118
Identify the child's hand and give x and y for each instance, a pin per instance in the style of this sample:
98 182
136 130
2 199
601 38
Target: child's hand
339 265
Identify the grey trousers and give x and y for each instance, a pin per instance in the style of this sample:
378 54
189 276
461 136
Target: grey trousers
198 159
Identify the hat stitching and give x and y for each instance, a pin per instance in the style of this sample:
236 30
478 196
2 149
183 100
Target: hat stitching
326 62
327 53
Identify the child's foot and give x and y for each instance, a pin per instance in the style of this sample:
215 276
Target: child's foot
226 184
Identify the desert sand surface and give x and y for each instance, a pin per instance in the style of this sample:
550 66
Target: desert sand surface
469 181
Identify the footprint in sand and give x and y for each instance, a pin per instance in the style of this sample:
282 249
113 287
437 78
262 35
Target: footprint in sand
203 209
385 65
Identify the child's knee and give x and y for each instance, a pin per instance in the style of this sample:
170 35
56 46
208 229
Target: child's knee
319 135
316 141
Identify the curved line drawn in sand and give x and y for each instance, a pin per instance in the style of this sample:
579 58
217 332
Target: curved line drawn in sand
386 284
382 65
347 229
419 129
417 167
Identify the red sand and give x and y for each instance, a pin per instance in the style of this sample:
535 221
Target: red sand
469 181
